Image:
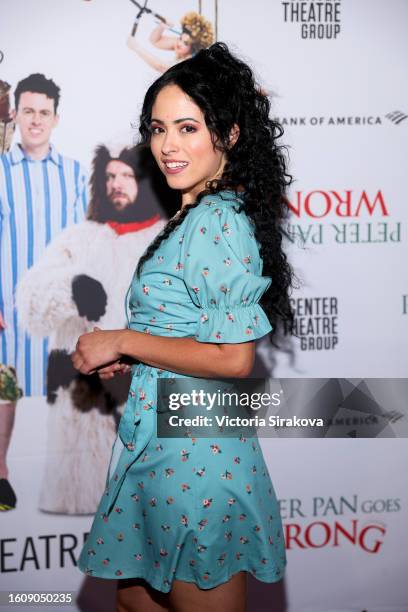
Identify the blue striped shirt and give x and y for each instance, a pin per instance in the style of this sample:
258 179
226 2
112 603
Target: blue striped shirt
38 199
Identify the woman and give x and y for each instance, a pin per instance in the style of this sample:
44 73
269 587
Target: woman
189 517
196 33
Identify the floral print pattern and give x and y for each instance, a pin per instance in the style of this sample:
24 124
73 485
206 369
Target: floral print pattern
194 509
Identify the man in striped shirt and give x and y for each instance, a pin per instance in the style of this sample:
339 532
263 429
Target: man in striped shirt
41 193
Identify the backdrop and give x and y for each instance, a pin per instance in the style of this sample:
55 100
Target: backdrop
336 75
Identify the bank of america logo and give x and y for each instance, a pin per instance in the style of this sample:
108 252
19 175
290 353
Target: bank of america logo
396 116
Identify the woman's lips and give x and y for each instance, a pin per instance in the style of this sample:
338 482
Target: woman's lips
175 167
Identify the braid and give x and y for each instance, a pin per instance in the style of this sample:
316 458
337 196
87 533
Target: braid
164 234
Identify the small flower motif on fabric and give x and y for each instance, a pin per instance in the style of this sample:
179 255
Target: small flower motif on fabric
247 259
184 454
184 520
166 528
169 326
248 489
249 331
202 524
218 335
205 271
201 472
196 290
201 548
231 501
146 289
204 317
106 561
226 518
230 316
226 475
207 502
100 541
152 320
170 500
226 229
228 535
244 301
160 259
168 472
216 239
118 572
167 282
221 558
242 516
146 330
228 261
179 266
162 307
185 487
181 238
215 448
237 460
256 320
120 537
218 212
203 230
224 289
244 540
138 556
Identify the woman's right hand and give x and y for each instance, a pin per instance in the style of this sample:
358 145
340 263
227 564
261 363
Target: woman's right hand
111 370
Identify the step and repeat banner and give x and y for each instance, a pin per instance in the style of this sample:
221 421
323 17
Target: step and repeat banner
74 224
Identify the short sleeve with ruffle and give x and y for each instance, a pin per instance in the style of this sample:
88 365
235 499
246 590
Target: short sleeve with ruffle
223 273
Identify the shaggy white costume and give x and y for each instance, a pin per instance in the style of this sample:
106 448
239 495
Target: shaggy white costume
79 443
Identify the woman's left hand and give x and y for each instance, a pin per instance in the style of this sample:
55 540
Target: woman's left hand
96 349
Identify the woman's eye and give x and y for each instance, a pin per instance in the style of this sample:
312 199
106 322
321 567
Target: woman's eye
155 130
188 129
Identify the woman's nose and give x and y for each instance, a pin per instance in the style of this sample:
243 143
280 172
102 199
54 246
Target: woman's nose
169 144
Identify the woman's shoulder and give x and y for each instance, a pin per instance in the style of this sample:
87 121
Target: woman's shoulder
216 205
220 218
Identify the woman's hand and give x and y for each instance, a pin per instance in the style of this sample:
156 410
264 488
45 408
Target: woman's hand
95 349
113 369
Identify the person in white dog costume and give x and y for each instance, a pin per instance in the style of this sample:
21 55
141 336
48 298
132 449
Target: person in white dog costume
81 282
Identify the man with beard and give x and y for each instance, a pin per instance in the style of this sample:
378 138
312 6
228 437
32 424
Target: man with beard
81 282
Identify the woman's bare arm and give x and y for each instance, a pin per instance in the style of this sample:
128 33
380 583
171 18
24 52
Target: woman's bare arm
180 355
146 56
159 40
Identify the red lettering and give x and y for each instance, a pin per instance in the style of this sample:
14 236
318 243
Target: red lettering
377 543
292 531
370 207
308 534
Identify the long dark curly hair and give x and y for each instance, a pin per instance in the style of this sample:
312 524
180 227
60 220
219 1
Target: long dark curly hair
225 90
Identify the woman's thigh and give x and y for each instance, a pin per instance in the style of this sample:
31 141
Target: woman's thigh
136 595
228 597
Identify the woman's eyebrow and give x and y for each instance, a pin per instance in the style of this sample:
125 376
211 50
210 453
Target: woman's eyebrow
175 121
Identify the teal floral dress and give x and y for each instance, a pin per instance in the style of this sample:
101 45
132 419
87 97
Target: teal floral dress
192 509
